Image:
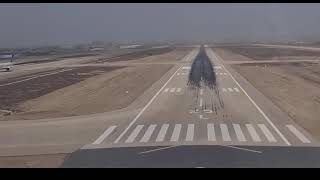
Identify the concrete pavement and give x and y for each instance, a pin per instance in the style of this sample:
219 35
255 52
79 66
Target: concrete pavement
178 115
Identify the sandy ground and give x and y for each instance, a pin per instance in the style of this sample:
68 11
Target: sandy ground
103 93
84 90
243 53
36 161
229 55
294 87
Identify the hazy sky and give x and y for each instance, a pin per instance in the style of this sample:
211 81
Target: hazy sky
49 24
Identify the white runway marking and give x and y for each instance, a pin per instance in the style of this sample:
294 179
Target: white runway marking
149 103
134 134
162 133
225 132
258 108
201 117
211 132
267 133
236 89
176 132
148 133
190 132
172 89
178 90
253 133
200 102
201 91
298 134
166 90
178 74
105 135
239 133
230 89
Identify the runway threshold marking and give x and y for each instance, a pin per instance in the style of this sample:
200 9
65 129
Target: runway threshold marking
162 133
176 132
252 101
145 107
104 135
298 134
239 133
148 133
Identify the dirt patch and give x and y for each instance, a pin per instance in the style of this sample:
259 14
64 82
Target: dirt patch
265 53
229 55
294 87
102 93
34 161
13 94
172 56
135 55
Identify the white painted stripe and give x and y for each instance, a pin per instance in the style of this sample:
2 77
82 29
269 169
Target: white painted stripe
176 132
172 89
239 133
297 133
148 133
105 135
134 134
190 132
258 108
224 89
162 133
201 91
200 102
230 89
267 133
145 107
253 133
166 90
211 132
236 89
178 74
225 132
179 90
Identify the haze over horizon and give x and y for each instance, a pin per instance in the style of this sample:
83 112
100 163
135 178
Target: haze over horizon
25 25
